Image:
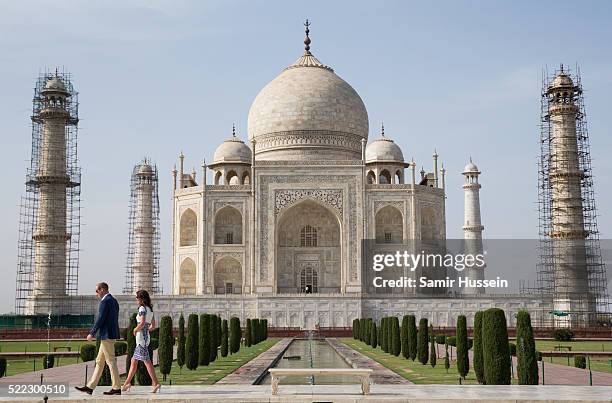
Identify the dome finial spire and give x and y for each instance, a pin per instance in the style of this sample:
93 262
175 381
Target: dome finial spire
307 39
382 129
233 130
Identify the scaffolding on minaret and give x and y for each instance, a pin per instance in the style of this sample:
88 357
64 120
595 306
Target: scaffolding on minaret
142 269
559 208
49 224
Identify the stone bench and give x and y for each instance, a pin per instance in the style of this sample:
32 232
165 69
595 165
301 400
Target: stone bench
362 373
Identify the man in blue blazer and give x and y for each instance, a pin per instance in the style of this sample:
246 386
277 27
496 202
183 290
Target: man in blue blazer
107 327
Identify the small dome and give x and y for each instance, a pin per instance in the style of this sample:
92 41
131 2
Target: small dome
562 80
55 84
232 150
145 169
383 149
471 168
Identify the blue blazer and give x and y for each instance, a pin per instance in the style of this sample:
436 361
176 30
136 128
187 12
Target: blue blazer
108 319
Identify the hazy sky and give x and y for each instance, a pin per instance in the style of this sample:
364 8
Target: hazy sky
158 77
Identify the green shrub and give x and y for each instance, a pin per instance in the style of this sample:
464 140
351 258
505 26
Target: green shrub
48 361
265 328
2 367
235 335
495 347
180 349
204 343
383 334
512 348
441 339
212 340
254 331
538 356
404 337
87 352
120 348
397 345
527 363
362 329
463 361
366 338
248 333
123 333
412 337
373 335
478 358
355 329
580 361
470 344
433 355
423 341
191 342
224 338
165 355
563 335
446 358
452 341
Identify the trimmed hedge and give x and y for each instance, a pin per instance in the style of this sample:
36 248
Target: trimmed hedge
527 363
563 335
512 348
248 333
165 354
373 335
235 334
404 337
495 347
395 338
423 341
87 352
441 339
368 330
580 361
224 338
383 334
191 342
452 341
204 342
355 329
463 360
120 348
212 341
2 367
412 337
478 358
180 349
48 361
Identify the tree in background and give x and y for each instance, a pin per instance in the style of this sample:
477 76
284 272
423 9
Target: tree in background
191 343
446 359
235 335
362 329
527 363
404 337
397 345
373 335
495 347
478 358
180 349
248 333
212 341
224 338
383 334
204 345
463 361
422 341
433 355
355 328
165 354
412 337
366 338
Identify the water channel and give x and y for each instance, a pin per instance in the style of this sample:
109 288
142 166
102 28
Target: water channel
312 353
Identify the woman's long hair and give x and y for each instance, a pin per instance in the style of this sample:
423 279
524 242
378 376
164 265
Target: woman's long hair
143 295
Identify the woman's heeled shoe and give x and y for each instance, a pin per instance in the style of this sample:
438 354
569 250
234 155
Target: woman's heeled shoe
156 388
126 388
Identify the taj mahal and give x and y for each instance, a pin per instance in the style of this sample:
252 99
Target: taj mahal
279 233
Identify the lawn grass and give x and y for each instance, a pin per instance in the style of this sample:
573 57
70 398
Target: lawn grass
414 371
223 366
603 364
21 365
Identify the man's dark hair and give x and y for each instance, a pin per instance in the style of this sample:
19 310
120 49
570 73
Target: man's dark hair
103 286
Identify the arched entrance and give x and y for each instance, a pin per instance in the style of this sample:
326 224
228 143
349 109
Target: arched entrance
308 251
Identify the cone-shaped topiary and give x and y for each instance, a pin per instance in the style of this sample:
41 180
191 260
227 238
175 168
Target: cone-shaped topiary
191 343
204 345
463 362
235 335
495 348
165 352
412 337
478 357
180 349
527 363
423 341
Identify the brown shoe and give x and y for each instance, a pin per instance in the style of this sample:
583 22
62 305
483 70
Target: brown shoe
113 392
84 389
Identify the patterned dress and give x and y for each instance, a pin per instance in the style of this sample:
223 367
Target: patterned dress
141 353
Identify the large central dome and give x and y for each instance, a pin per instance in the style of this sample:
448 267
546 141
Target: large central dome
307 113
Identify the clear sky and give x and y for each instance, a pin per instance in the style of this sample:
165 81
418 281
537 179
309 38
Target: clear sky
158 77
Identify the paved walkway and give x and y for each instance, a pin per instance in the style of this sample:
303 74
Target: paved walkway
350 393
253 370
381 374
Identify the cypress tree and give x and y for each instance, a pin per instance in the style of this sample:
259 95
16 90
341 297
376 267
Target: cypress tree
383 334
495 347
180 349
527 363
404 337
412 337
422 341
248 333
368 330
191 343
355 328
204 357
379 338
478 357
390 335
235 335
373 335
254 327
463 361
446 359
397 344
224 336
131 342
165 351
212 340
433 355
362 329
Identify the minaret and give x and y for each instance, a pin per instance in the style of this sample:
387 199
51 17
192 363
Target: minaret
50 235
472 225
567 231
143 253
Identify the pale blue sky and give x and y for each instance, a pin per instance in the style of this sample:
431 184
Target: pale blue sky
156 77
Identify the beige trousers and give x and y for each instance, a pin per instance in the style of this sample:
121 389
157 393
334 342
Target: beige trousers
105 354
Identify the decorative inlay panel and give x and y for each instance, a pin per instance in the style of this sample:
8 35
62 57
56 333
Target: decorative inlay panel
330 197
378 204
